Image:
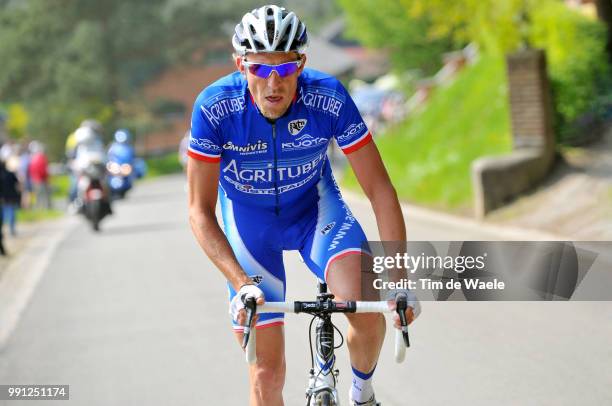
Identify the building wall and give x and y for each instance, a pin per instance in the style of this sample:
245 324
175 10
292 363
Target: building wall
180 84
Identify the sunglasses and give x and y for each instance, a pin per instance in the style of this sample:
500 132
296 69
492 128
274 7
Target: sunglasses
264 71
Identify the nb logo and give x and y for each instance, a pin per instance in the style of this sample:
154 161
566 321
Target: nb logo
296 126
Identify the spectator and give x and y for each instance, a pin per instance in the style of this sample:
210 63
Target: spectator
8 148
39 173
2 195
23 174
11 196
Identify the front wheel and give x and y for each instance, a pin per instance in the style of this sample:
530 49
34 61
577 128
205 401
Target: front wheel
325 399
95 214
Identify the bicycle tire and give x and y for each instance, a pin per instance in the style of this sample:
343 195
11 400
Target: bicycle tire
326 399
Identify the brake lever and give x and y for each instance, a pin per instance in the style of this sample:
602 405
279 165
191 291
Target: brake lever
249 306
400 307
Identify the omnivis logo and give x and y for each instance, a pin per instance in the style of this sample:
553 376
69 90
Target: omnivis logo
295 126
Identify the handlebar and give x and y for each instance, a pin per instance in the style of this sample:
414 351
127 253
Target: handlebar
402 339
249 306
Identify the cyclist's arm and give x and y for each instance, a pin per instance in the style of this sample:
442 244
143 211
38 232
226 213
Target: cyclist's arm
203 179
374 180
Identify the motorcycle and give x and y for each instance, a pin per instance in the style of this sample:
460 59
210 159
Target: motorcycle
92 199
121 177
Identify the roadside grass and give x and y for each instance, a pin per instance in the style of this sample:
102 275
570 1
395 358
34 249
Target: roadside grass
32 215
60 185
163 165
428 156
59 191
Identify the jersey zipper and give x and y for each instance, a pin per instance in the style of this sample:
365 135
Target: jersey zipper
276 208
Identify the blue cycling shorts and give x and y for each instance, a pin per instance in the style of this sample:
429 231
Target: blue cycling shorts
322 231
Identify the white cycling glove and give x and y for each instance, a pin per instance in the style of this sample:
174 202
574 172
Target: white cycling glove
411 299
245 292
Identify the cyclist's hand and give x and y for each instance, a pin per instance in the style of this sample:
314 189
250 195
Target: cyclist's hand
412 311
237 304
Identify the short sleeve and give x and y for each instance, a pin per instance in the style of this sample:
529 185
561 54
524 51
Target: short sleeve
350 130
204 140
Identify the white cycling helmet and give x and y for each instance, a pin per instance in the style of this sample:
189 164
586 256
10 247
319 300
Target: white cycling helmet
270 29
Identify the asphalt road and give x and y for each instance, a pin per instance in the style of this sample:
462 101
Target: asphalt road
136 315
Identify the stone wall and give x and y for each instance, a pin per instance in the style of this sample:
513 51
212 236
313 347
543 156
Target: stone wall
497 180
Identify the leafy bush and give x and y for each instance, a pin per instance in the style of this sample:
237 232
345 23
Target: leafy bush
163 165
577 63
388 24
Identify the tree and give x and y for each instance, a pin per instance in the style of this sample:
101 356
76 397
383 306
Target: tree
604 11
17 121
493 24
66 60
574 44
389 24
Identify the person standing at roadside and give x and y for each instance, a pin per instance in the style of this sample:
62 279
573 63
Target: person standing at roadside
2 198
39 173
11 197
23 175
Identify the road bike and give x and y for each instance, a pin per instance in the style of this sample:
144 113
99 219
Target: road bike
321 390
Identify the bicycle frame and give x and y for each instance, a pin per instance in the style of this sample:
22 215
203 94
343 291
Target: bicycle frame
324 393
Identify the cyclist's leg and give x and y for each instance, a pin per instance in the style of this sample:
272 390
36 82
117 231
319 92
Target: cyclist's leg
267 376
253 245
334 249
366 331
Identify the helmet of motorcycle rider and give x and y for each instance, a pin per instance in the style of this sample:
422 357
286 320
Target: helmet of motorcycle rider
85 135
94 125
123 136
270 29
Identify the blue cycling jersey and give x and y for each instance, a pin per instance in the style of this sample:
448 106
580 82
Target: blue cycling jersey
274 165
276 188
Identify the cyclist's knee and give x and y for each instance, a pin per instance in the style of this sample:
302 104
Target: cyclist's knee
366 321
268 375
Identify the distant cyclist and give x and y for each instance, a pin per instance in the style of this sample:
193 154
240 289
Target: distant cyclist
258 144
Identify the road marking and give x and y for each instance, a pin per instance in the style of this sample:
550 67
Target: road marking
20 279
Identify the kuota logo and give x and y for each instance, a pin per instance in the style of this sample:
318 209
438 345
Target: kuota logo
304 142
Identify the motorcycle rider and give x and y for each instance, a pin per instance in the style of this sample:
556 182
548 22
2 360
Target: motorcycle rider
121 149
88 153
72 143
121 163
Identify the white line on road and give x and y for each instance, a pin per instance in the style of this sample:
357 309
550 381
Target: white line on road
22 276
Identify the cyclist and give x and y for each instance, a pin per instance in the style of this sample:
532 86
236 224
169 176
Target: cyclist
258 144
